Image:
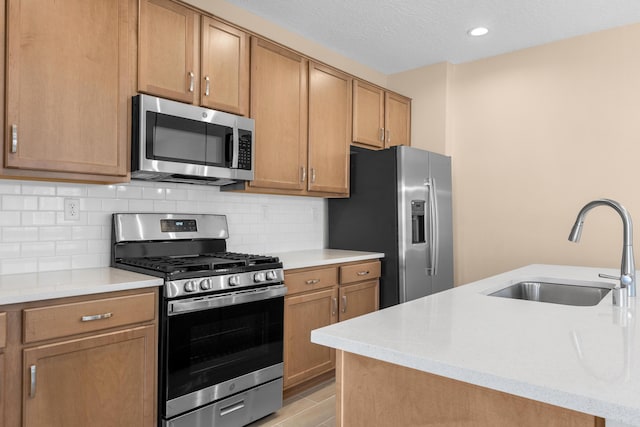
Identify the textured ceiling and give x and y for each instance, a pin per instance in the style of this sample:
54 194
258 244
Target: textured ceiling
397 35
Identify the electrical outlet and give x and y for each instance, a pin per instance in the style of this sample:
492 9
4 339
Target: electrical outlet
71 209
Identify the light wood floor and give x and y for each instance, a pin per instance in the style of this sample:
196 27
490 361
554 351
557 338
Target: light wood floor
315 407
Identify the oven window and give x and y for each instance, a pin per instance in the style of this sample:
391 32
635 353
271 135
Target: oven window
215 345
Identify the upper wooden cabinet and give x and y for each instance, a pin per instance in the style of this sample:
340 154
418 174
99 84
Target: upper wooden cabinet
279 107
67 89
381 119
192 58
303 123
225 67
168 50
397 119
329 130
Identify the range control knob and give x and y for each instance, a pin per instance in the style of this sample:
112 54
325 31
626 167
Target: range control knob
205 284
271 275
190 286
234 280
259 277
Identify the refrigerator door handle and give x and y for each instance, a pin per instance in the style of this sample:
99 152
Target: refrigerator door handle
433 229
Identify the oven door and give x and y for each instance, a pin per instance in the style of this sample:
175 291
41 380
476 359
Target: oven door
220 345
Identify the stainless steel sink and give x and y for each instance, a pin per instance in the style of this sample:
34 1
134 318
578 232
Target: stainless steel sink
556 293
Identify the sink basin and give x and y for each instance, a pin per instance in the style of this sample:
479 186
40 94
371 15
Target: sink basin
556 293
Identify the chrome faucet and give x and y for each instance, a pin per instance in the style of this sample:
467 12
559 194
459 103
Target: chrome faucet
627 269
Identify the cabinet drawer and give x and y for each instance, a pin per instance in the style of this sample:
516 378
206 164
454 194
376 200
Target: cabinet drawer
76 318
3 330
359 272
307 280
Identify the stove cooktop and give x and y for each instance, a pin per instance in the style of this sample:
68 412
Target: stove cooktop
204 264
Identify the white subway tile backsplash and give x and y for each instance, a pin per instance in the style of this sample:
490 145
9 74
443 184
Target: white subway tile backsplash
38 218
55 233
38 189
102 191
38 249
19 234
34 236
19 203
9 218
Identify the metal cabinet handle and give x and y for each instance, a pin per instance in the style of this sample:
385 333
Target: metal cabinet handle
313 175
334 306
96 317
344 304
362 273
312 281
381 134
207 85
191 81
32 386
14 138
388 136
303 174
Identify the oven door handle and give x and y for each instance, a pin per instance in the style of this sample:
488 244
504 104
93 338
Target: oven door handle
233 298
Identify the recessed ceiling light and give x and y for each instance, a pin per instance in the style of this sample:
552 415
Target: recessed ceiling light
478 31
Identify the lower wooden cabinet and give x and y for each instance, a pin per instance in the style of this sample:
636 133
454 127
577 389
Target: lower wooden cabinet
358 299
304 313
81 361
99 381
319 297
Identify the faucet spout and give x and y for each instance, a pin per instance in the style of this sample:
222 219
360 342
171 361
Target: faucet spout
627 267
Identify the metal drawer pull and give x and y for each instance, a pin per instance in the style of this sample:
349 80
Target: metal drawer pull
362 273
344 304
303 174
334 306
231 408
32 388
313 175
381 134
96 317
312 281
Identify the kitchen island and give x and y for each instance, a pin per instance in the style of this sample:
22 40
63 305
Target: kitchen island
461 354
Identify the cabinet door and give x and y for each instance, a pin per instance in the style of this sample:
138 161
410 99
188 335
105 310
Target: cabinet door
225 67
168 47
279 106
358 299
329 129
397 120
68 86
368 114
105 380
302 314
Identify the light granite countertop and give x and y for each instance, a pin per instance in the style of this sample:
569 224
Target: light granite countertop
582 358
320 257
19 288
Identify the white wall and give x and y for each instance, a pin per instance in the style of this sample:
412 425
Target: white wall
35 237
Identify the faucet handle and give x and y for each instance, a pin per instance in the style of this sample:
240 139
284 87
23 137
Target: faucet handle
625 279
609 276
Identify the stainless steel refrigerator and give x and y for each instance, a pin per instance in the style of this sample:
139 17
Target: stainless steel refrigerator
399 204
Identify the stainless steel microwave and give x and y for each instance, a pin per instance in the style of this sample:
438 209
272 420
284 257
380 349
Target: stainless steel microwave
177 142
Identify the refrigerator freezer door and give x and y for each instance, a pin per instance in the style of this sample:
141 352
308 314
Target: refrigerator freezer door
414 224
440 175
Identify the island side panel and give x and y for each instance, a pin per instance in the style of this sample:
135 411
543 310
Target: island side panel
373 393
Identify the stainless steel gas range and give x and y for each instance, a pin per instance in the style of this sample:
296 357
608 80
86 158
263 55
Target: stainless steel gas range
221 318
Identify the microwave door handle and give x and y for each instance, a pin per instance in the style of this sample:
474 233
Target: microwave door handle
235 148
